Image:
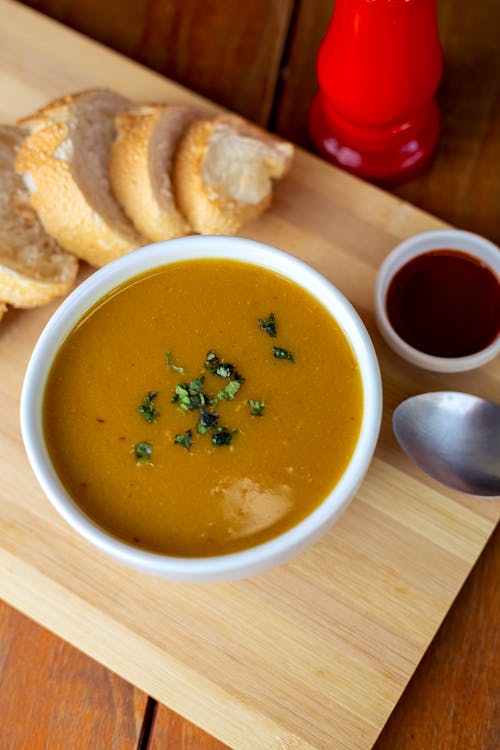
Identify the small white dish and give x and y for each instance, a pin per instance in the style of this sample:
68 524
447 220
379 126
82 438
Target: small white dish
453 239
249 561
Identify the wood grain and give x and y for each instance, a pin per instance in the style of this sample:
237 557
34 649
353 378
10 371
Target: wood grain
171 731
336 244
298 75
51 677
183 40
463 183
452 700
230 52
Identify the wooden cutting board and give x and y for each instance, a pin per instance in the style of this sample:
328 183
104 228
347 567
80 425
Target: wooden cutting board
316 653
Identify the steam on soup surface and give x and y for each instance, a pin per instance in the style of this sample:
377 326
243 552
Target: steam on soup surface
203 408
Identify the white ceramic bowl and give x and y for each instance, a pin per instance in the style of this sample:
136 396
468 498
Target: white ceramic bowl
456 239
255 559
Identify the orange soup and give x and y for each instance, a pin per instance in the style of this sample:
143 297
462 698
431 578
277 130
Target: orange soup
203 408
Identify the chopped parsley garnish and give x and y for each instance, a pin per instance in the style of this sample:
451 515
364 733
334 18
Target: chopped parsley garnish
207 421
217 366
147 409
211 360
184 440
222 436
280 353
224 370
181 396
189 395
169 363
268 325
229 391
196 385
143 452
256 407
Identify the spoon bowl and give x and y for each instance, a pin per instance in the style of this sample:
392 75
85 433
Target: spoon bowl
454 437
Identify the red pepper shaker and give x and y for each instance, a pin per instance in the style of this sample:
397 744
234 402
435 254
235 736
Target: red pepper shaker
379 66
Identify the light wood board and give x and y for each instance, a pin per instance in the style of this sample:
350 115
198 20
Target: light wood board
316 653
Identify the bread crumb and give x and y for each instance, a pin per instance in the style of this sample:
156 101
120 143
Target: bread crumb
29 182
240 167
64 152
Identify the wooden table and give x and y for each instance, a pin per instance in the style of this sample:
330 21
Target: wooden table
51 695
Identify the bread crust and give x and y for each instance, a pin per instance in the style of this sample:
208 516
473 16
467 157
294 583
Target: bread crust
55 195
34 269
25 290
209 208
140 167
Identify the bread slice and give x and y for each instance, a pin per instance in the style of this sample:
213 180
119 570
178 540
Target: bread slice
64 163
140 166
223 172
33 267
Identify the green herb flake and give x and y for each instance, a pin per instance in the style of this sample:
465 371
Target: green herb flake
268 325
196 385
256 407
206 422
280 353
197 401
182 396
211 360
224 370
201 429
196 397
189 395
184 440
169 363
143 452
217 366
147 409
222 436
229 391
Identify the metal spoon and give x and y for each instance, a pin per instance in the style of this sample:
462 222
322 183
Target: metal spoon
454 437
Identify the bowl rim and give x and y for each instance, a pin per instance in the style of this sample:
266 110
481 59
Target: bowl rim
420 244
231 565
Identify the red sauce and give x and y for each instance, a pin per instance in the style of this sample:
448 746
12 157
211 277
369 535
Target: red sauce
445 303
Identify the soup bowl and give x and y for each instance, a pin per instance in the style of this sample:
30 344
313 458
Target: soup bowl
90 295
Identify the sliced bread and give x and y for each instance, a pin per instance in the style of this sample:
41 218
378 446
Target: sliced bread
33 267
140 166
223 173
64 163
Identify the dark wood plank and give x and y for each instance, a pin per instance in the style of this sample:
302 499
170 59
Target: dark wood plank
53 696
229 52
452 701
298 81
171 732
462 185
